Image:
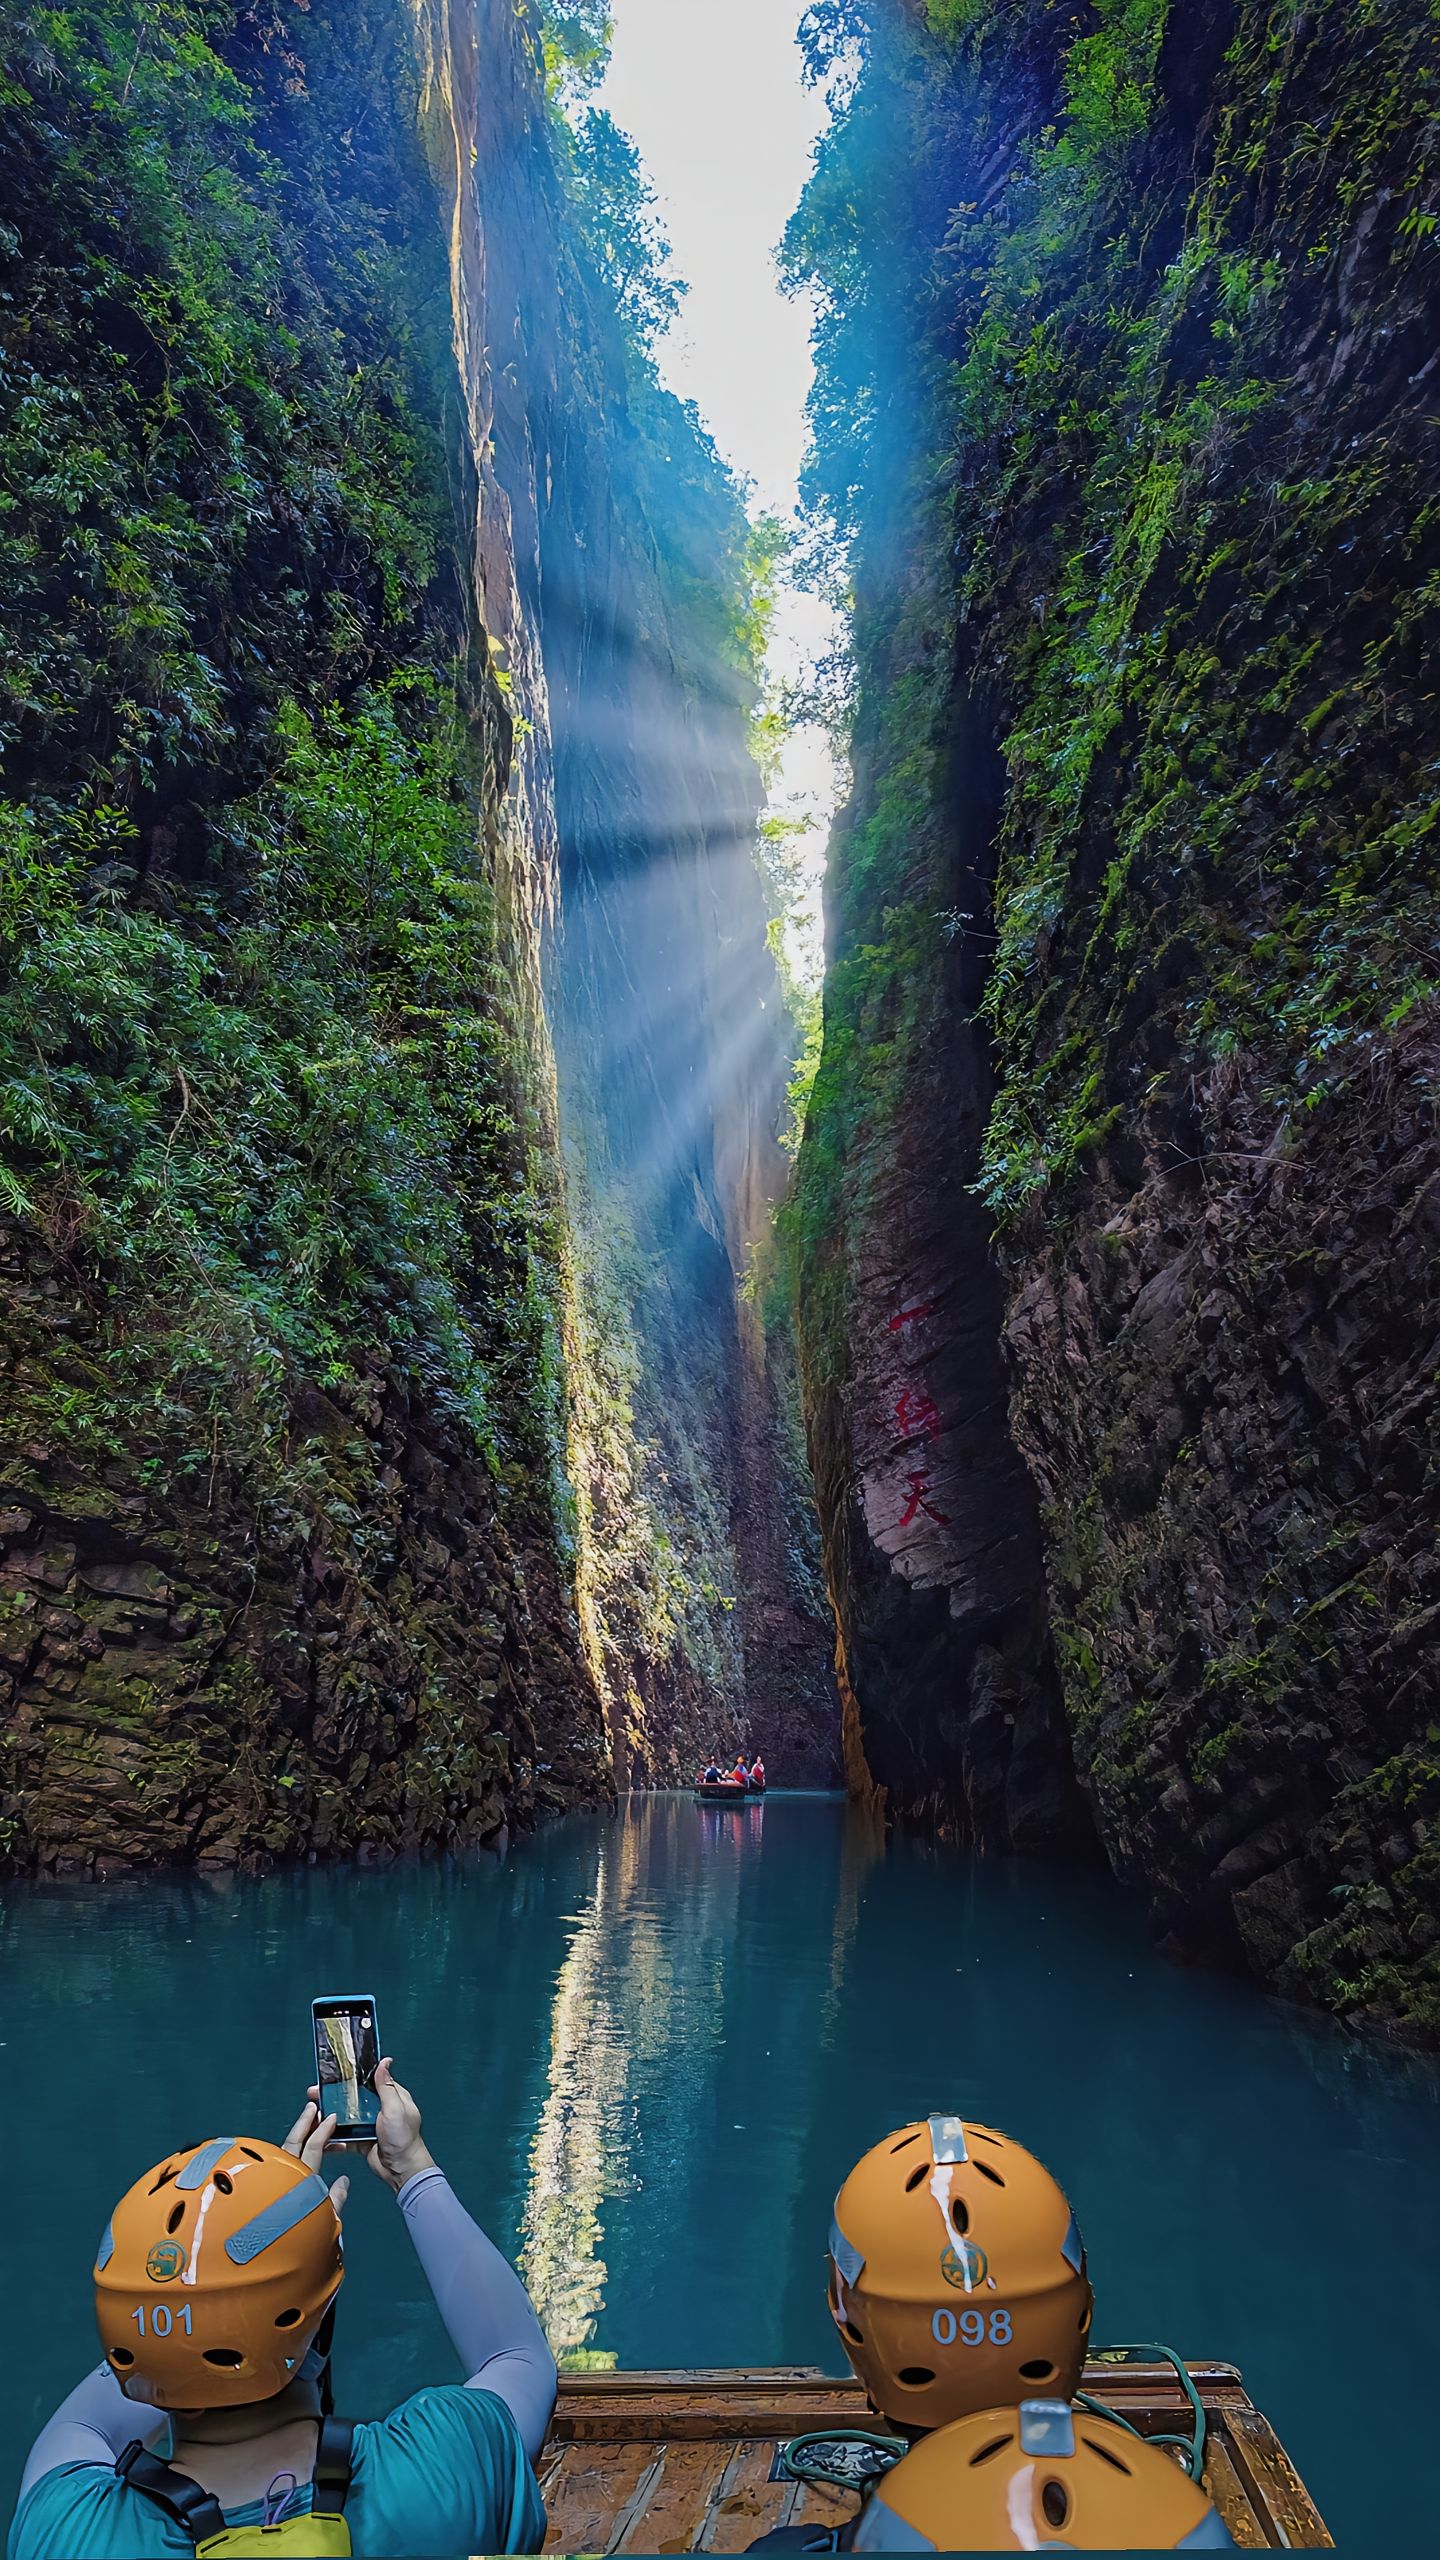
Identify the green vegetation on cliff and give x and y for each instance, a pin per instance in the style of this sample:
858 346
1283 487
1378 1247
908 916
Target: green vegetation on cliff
256 1057
1123 424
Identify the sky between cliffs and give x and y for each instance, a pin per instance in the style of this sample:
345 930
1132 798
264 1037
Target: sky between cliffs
711 92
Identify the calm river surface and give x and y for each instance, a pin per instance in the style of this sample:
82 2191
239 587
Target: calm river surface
649 2048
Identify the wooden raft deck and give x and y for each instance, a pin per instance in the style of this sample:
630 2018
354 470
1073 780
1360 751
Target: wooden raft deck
681 2461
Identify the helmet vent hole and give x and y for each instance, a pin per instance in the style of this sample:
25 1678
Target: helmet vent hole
915 2376
1086 2316
175 2217
230 2357
121 2355
960 2213
992 2138
1106 2455
988 2451
164 2179
253 2155
225 2185
287 2320
913 2181
855 2336
1055 2502
987 2172
1037 2370
904 2143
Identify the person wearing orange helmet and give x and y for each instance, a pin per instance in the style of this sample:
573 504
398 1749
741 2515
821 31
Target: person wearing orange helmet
1040 2477
957 2283
959 2288
957 2275
208 2423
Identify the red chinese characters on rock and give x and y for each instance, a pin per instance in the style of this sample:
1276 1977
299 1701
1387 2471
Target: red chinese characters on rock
919 1485
912 1315
917 1414
917 1417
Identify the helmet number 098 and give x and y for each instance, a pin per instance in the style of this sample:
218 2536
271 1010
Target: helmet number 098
972 2328
162 2319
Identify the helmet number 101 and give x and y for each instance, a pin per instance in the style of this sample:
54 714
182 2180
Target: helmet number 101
162 2319
972 2328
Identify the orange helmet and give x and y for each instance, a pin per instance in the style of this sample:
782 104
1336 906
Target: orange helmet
214 2275
957 2275
1043 2477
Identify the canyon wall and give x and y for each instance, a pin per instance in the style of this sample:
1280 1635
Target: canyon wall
700 1602
304 1388
1116 1222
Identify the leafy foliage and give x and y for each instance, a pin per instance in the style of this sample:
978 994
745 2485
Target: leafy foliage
575 40
260 1085
1120 453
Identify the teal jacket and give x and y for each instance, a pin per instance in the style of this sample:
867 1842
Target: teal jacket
445 2474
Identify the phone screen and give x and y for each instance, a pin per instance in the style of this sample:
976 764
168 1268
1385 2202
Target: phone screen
347 2050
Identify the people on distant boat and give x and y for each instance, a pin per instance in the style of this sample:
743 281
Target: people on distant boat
740 1774
757 1771
711 1773
232 2340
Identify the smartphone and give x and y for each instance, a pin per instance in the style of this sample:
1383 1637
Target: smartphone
347 2051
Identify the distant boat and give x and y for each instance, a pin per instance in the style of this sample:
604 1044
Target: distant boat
726 1791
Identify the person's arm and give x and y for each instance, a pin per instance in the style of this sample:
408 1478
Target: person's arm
485 2307
93 2424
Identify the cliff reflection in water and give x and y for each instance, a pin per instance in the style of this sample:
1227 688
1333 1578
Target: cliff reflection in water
653 1982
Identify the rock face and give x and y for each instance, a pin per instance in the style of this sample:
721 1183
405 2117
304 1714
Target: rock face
385 1664
1129 1078
951 1704
333 1395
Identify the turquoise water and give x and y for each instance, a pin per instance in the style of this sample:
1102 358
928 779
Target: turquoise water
649 2048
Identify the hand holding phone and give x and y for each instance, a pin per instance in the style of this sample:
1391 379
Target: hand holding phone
347 2052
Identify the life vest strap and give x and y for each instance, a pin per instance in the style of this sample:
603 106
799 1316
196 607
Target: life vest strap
199 2513
194 2509
334 2462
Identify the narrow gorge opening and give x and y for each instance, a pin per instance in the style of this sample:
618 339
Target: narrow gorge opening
474 1339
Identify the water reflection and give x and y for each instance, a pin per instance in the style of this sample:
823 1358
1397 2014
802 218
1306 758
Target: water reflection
649 2048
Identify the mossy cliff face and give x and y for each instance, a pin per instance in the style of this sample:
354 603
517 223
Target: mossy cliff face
1133 932
287 1303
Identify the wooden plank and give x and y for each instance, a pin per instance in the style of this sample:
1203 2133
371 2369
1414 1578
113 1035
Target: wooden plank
820 2505
788 2411
676 2503
747 2501
1227 2491
1156 2387
1274 2484
697 2377
591 2490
